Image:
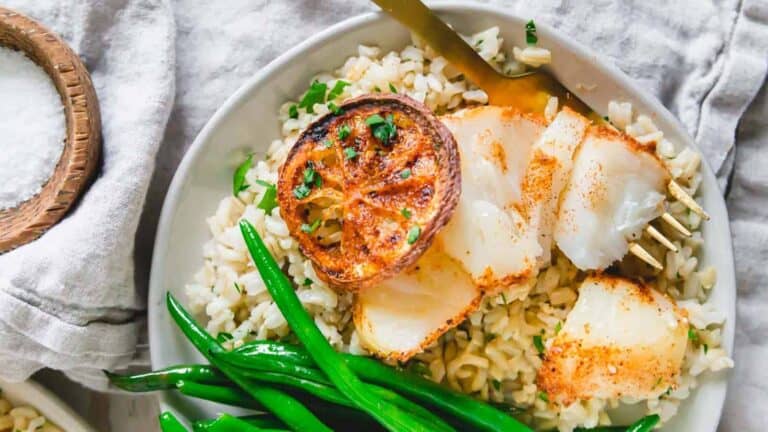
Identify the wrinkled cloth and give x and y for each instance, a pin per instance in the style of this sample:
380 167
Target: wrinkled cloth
69 300
704 59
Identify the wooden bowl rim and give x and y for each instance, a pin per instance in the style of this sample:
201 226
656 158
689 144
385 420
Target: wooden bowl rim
82 146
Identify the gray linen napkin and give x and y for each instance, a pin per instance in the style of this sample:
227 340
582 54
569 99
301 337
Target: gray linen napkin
68 300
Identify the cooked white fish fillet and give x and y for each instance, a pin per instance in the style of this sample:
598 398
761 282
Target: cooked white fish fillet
512 173
616 188
620 339
513 170
403 315
548 173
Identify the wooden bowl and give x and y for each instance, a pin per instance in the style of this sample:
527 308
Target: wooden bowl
80 156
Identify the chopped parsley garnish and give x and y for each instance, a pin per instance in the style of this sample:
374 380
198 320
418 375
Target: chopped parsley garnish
384 131
658 381
269 199
377 89
392 88
293 111
344 132
504 298
315 95
692 335
406 213
530 33
238 179
310 175
496 384
404 174
413 234
223 337
479 42
309 229
706 348
237 288
374 120
307 282
327 143
301 191
489 337
337 89
543 396
537 342
310 178
350 153
558 327
334 108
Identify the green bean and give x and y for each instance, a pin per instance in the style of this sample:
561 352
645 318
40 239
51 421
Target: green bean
335 414
473 412
220 394
603 429
274 349
166 379
645 424
264 422
228 423
322 353
340 417
330 394
284 406
274 363
169 423
435 422
319 390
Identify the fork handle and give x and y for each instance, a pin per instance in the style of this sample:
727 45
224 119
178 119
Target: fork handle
445 41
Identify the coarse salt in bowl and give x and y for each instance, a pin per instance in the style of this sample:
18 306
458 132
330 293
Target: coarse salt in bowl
51 127
32 126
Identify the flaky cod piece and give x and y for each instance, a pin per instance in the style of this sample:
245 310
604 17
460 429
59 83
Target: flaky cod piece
403 315
616 188
512 174
621 339
513 170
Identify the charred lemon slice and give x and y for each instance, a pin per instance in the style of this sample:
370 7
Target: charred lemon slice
365 190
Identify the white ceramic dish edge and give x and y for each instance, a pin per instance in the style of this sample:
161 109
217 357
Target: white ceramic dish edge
701 414
46 403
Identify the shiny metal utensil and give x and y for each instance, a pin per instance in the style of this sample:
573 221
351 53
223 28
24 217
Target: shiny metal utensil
528 92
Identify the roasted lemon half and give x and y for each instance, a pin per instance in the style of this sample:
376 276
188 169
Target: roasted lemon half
365 189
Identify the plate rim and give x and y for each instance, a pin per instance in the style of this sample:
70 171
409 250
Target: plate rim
35 395
171 200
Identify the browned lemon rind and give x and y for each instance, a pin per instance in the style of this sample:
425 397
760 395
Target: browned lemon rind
377 205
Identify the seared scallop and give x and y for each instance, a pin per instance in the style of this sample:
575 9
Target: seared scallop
621 338
616 188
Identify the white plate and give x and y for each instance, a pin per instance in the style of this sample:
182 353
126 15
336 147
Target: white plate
248 120
43 401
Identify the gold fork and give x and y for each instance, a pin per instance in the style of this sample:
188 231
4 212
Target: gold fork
528 92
